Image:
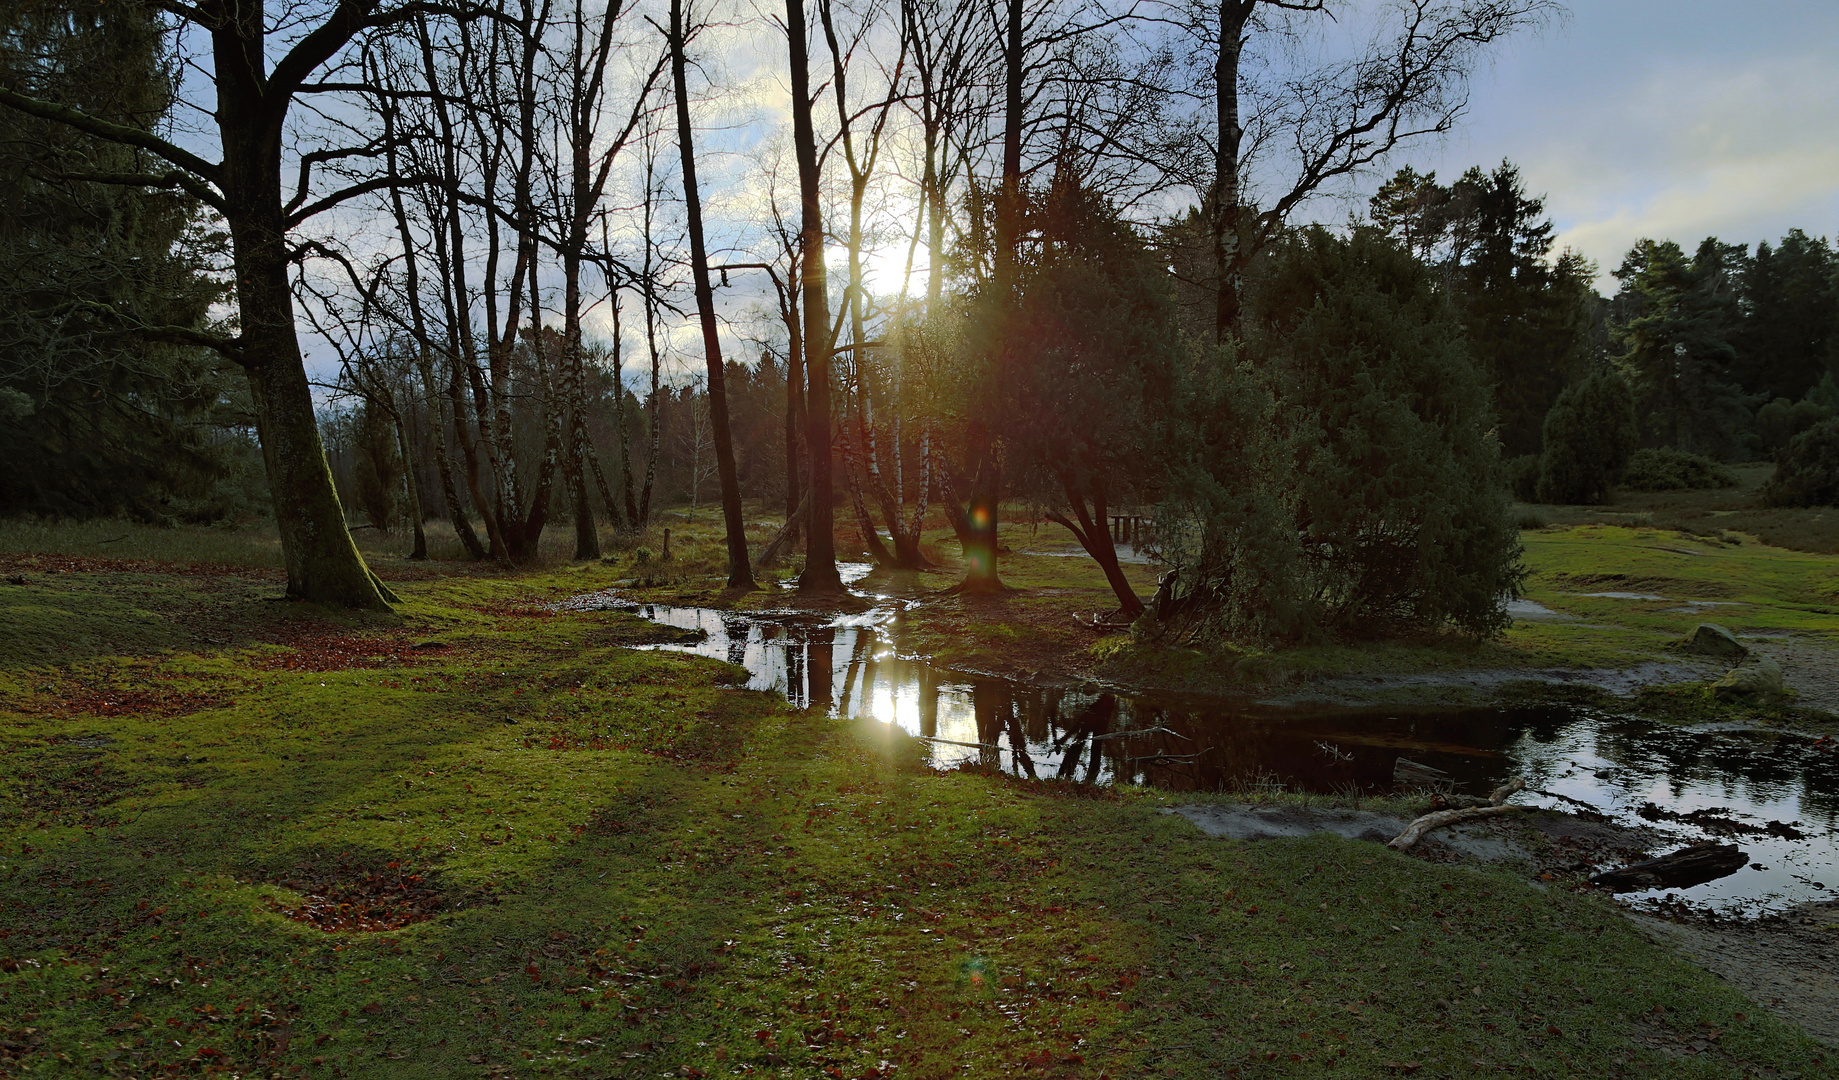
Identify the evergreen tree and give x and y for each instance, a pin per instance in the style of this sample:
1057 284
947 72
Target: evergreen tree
1528 315
1674 319
102 421
1375 499
1590 434
1790 310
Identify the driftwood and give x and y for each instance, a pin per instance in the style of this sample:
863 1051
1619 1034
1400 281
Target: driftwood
1497 804
1684 868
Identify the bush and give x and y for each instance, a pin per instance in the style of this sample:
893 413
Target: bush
1780 420
1373 499
1666 469
1523 477
1590 433
1807 472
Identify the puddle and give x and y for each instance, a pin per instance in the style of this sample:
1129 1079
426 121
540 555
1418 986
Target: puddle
1633 771
1533 611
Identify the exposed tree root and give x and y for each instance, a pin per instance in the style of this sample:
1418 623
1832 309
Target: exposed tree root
1497 804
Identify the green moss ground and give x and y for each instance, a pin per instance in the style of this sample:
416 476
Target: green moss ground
634 869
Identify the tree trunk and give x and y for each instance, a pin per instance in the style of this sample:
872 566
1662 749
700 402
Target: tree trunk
443 463
820 573
619 394
323 564
1094 534
865 522
1228 212
986 484
794 420
413 483
740 571
587 537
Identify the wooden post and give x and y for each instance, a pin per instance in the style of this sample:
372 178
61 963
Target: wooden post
666 555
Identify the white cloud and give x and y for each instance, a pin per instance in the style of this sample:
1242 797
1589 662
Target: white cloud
1675 121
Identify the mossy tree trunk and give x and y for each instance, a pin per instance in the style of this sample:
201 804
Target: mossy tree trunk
323 563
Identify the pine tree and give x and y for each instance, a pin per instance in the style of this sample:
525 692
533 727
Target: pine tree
1674 319
1528 316
102 421
1790 312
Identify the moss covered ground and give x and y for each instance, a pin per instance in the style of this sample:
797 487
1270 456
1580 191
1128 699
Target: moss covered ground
254 838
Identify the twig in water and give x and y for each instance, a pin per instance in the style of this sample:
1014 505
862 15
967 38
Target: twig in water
1131 732
1167 757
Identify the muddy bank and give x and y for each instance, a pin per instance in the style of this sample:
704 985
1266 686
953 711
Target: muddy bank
1543 844
1787 963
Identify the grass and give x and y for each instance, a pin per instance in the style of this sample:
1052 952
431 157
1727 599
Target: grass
240 837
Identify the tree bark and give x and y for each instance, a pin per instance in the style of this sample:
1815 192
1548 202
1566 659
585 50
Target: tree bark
420 550
986 484
740 570
1228 212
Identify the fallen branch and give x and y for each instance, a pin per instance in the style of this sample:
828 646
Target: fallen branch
1497 804
954 742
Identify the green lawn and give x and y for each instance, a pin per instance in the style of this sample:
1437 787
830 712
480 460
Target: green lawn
242 837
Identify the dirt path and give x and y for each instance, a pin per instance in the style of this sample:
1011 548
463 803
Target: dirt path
1788 964
1810 667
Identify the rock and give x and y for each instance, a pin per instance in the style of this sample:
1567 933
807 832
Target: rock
1756 679
1710 639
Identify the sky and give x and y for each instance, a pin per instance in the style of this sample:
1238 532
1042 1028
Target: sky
1675 119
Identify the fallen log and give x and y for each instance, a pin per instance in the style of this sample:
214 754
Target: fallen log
1408 772
1682 869
1497 804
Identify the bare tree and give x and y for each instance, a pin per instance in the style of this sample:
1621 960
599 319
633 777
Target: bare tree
1334 119
250 101
577 205
820 573
740 569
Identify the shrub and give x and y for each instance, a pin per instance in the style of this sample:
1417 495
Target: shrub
1523 477
1807 472
1590 433
1373 499
1666 469
1780 420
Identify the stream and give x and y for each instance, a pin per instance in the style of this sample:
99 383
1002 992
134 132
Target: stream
1772 793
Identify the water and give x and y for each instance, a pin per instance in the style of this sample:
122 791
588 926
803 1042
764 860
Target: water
1634 771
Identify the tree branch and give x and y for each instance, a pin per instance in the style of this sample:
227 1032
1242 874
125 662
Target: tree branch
112 132
177 178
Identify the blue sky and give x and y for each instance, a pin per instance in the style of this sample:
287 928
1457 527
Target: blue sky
1680 119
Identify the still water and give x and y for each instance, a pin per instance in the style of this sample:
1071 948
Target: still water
1632 770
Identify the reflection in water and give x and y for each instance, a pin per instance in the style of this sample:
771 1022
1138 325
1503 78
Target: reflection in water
851 666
